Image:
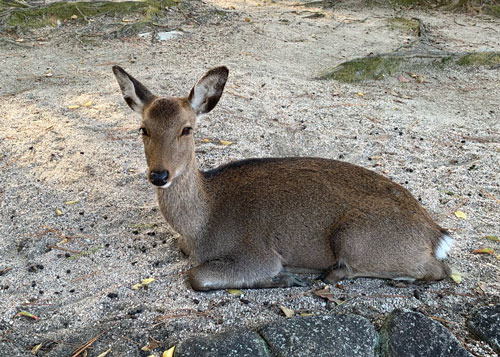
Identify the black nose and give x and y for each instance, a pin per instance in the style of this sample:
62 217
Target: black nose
158 178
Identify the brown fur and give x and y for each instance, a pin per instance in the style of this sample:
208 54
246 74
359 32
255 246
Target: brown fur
249 223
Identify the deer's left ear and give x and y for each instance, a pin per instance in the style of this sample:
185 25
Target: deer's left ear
207 91
134 93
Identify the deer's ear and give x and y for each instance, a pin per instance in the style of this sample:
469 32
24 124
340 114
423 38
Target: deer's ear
207 91
134 93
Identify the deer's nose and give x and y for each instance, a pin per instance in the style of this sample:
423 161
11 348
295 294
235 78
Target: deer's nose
158 178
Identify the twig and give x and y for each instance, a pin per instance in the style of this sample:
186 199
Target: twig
10 94
458 206
64 249
88 343
412 124
4 271
490 195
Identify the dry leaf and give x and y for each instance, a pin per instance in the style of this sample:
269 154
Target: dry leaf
105 353
169 352
493 238
71 202
288 312
326 294
247 19
35 349
225 142
361 94
455 275
27 314
74 17
137 286
88 104
235 292
152 344
305 314
483 251
206 140
147 281
403 79
58 212
461 214
73 106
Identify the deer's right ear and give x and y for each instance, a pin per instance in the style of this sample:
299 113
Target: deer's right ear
134 93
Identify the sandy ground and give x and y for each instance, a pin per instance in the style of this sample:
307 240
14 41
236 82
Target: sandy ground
75 270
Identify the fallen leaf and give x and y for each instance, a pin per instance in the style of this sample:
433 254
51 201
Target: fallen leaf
235 292
88 104
461 214
169 352
420 79
361 94
455 275
27 314
401 78
35 349
48 74
73 106
411 74
482 287
493 238
326 294
147 281
74 17
288 312
152 344
247 19
58 212
305 314
225 142
71 202
20 40
105 353
143 283
483 251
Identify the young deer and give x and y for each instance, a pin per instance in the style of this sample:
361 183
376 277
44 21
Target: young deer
253 223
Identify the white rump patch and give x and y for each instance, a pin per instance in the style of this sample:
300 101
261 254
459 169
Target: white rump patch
444 247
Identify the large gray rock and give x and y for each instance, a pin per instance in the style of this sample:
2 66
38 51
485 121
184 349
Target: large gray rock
242 343
411 334
321 336
485 324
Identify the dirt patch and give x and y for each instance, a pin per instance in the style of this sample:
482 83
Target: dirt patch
80 225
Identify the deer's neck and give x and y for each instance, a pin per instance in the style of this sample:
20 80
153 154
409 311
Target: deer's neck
183 203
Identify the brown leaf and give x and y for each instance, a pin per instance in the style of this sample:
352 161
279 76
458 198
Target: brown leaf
152 344
403 79
483 251
288 312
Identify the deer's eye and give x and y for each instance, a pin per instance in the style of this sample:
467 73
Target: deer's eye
186 131
144 131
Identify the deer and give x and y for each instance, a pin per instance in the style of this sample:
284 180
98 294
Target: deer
258 223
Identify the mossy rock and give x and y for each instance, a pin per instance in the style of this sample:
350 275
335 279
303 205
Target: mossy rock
405 25
380 66
493 10
35 17
477 59
373 67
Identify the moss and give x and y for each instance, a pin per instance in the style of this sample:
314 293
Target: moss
35 17
493 10
480 59
403 24
367 68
